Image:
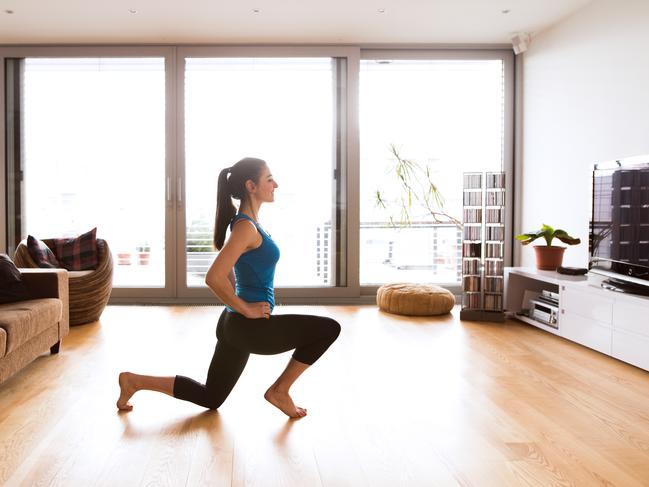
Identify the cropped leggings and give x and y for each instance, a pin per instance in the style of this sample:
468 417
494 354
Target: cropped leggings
238 337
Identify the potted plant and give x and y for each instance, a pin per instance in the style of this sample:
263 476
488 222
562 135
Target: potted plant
123 258
414 200
143 253
548 256
416 189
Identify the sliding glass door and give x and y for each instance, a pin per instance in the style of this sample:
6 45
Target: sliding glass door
423 123
287 111
89 149
94 134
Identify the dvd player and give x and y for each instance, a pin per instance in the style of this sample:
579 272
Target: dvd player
544 311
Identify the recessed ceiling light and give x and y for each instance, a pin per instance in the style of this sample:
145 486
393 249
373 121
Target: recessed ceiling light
255 10
505 11
132 11
9 12
381 10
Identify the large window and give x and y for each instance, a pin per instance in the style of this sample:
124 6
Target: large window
94 156
281 110
131 139
423 122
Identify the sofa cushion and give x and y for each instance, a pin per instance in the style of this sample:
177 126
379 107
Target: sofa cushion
26 319
77 254
41 254
3 342
11 286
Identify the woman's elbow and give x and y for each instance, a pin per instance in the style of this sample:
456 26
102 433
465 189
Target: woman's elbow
212 281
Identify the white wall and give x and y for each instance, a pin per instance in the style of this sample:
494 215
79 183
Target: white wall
585 99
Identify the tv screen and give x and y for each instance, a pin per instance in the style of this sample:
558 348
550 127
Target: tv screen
619 227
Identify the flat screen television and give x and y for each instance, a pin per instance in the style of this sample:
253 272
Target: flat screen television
619 226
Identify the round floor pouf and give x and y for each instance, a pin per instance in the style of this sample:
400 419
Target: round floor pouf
415 299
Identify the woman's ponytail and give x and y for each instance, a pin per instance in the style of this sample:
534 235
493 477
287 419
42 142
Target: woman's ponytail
225 210
234 186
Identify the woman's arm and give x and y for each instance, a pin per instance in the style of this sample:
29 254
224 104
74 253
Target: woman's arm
220 278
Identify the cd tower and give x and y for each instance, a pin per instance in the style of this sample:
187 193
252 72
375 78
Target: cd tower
483 240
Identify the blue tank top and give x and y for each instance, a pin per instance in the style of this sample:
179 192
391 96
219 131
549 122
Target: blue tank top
254 271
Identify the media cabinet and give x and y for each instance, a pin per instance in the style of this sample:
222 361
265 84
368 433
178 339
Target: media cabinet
610 322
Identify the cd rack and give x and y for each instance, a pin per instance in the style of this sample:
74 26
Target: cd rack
483 240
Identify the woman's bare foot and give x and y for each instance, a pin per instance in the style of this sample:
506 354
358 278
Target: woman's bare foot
283 402
126 391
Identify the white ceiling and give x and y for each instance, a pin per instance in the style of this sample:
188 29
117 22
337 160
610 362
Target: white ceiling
278 21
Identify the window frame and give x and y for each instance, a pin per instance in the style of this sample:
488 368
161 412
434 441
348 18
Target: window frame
349 160
348 131
507 58
168 291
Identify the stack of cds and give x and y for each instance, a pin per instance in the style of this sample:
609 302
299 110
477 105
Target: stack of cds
483 246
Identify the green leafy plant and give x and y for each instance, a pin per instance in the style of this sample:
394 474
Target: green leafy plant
416 188
548 233
202 245
199 235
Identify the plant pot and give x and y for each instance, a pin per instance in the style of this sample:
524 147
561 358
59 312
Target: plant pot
143 258
548 257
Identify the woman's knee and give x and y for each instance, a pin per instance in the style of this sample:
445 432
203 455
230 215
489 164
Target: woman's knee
214 401
213 405
333 328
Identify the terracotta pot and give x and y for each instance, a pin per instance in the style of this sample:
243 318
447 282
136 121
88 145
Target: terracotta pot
548 257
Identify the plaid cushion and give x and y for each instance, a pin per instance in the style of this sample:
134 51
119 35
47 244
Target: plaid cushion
41 253
77 254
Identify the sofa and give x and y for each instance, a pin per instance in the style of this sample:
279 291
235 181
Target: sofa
31 327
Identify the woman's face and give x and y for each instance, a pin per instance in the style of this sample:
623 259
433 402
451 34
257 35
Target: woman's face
264 190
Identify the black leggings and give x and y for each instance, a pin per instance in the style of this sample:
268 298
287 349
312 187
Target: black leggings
238 337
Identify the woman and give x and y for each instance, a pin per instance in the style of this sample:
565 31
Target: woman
247 325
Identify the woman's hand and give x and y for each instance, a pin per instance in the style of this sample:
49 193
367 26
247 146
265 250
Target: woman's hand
258 310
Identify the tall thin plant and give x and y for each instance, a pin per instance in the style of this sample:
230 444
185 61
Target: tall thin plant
416 187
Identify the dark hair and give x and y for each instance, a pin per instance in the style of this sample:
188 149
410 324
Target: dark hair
233 186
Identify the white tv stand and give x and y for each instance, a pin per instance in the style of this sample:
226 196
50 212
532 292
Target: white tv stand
613 323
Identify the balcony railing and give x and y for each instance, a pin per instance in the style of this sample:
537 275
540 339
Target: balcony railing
434 249
419 251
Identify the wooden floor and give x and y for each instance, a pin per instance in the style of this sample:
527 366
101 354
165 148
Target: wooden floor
394 402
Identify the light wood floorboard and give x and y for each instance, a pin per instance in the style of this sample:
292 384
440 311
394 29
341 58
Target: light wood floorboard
396 401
